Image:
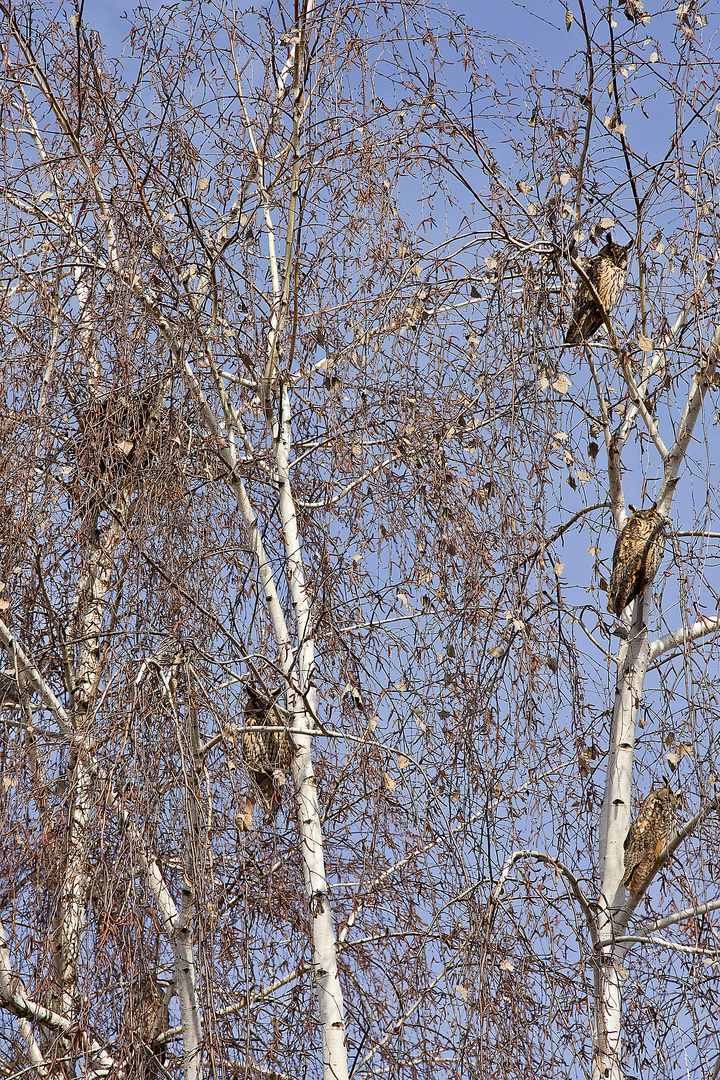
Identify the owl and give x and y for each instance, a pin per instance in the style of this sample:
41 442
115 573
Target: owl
146 1016
607 270
635 12
638 553
10 692
651 830
167 658
267 754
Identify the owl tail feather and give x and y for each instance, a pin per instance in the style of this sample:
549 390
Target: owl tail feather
270 791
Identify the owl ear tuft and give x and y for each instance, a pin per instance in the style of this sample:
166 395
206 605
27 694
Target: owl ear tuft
608 238
632 509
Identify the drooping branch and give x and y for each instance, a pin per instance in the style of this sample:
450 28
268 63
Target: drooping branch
561 868
14 998
659 355
638 402
176 924
543 546
41 81
617 497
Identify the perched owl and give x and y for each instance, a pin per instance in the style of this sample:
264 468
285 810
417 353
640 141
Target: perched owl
167 658
112 446
647 837
638 553
635 12
607 270
146 1016
267 754
10 692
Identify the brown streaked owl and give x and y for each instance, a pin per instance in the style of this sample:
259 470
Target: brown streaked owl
635 12
607 270
10 692
645 842
167 659
267 754
146 1016
638 553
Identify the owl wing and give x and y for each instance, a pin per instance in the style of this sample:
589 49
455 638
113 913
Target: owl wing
645 842
585 319
623 572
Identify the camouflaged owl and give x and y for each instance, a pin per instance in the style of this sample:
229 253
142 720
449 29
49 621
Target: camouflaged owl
607 271
647 837
267 754
638 553
146 1016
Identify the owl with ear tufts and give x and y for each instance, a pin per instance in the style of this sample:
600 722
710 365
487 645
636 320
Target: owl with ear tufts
648 837
146 1016
607 271
638 553
267 754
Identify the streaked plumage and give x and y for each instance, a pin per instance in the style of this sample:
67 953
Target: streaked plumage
146 1016
635 12
167 659
647 837
10 692
607 270
267 754
638 553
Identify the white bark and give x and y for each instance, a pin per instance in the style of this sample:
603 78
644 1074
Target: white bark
677 917
704 627
89 611
614 824
298 667
177 925
634 658
14 998
302 703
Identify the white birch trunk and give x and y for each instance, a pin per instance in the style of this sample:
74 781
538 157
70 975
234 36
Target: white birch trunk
614 824
636 653
89 606
176 924
14 996
298 669
302 703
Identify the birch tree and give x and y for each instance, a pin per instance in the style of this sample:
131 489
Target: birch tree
286 417
185 287
642 389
